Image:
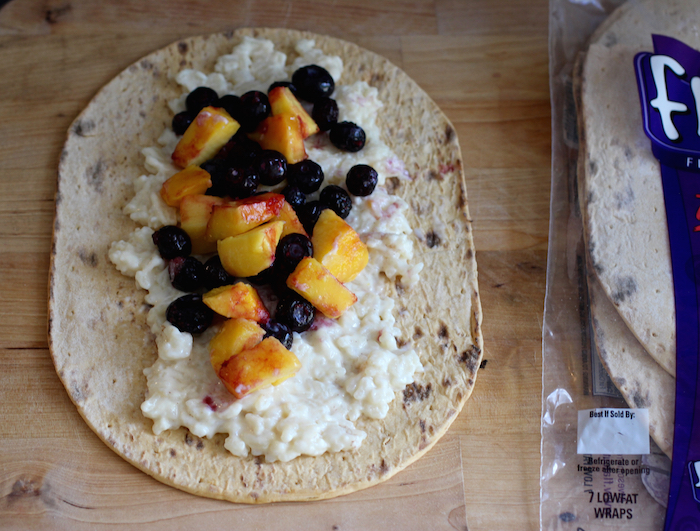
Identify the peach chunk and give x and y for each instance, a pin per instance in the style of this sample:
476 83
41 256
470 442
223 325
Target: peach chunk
282 101
291 221
192 180
234 336
267 363
195 211
240 216
206 135
282 133
250 253
237 300
318 286
338 247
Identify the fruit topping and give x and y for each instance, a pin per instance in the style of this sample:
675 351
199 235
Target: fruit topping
234 336
291 249
255 107
181 121
206 135
294 196
282 133
267 363
232 104
190 181
361 180
239 150
271 167
195 211
282 101
189 314
313 82
237 300
318 286
337 199
250 253
347 136
306 175
199 98
295 312
240 181
172 241
338 247
279 331
186 274
287 84
237 217
216 276
325 113
309 213
291 220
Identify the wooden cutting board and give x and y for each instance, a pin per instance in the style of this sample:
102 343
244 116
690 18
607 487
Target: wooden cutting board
483 61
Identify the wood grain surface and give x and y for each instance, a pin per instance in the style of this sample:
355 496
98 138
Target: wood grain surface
483 61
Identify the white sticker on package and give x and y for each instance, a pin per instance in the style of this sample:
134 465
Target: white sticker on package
616 431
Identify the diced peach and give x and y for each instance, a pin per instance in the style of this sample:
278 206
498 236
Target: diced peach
282 133
195 211
282 101
291 221
250 253
338 247
267 363
206 135
240 216
190 181
318 286
234 336
237 300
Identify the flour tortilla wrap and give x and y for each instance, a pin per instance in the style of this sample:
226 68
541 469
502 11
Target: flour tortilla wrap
99 338
621 193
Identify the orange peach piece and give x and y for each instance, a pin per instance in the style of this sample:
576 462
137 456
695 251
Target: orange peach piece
291 221
190 181
206 135
234 336
195 211
282 133
241 216
237 300
267 363
282 101
318 286
250 253
338 247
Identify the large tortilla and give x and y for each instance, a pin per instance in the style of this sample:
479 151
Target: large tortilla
99 339
624 213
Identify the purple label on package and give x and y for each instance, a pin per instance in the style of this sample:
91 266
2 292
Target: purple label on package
669 91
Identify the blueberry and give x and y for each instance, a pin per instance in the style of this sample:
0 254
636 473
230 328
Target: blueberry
255 107
294 196
325 113
347 136
181 121
306 175
189 314
291 250
287 84
271 167
215 274
232 105
240 182
361 180
199 98
308 214
313 82
172 241
295 312
187 274
337 199
239 150
279 331
216 169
